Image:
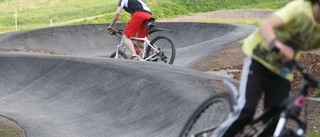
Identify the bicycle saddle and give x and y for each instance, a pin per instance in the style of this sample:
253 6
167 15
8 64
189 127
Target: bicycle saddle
150 22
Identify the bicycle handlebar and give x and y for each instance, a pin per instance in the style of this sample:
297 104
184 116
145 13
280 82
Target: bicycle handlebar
314 82
120 31
305 73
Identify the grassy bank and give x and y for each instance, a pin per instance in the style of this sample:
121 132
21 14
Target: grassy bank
40 13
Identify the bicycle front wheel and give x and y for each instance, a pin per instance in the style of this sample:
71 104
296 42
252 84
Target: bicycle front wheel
121 55
207 116
167 49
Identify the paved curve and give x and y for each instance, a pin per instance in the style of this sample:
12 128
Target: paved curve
85 94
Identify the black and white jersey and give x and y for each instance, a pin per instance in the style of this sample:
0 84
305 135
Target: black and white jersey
132 6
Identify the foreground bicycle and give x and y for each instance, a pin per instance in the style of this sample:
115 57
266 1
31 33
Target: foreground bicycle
215 109
160 49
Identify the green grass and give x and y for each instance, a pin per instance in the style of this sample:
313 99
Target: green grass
38 13
316 132
317 93
8 132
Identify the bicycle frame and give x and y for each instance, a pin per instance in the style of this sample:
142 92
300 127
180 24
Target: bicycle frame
122 47
289 109
145 45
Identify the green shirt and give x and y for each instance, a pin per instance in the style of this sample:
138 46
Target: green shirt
299 31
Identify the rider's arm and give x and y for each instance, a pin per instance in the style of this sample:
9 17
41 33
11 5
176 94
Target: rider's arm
267 30
115 17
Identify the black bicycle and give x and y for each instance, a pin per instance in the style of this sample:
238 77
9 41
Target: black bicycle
216 108
160 49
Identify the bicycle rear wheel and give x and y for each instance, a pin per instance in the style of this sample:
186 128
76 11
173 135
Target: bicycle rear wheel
167 49
121 55
207 116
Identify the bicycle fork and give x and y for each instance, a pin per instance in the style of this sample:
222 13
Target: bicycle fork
120 47
295 110
281 125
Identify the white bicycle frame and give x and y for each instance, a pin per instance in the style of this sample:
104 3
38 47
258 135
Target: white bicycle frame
122 47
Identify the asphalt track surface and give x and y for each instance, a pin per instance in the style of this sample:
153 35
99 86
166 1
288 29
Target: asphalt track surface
87 94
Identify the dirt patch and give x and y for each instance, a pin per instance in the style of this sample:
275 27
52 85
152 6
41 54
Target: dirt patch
43 51
225 15
9 128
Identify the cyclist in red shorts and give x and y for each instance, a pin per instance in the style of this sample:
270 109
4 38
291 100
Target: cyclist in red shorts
139 14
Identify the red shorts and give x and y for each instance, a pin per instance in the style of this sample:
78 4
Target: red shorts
137 24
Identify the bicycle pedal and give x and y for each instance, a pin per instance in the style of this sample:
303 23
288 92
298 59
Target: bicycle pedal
164 58
136 58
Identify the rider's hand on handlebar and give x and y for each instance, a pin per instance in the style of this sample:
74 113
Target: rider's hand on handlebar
285 52
110 28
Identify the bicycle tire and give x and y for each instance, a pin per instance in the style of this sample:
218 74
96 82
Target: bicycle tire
167 49
205 119
121 55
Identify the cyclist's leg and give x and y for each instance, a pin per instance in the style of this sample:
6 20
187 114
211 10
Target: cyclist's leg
143 27
127 41
277 90
132 27
249 94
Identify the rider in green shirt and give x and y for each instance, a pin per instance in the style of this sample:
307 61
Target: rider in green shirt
293 28
298 29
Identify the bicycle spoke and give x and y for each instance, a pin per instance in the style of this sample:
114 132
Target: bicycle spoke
210 114
210 118
166 48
